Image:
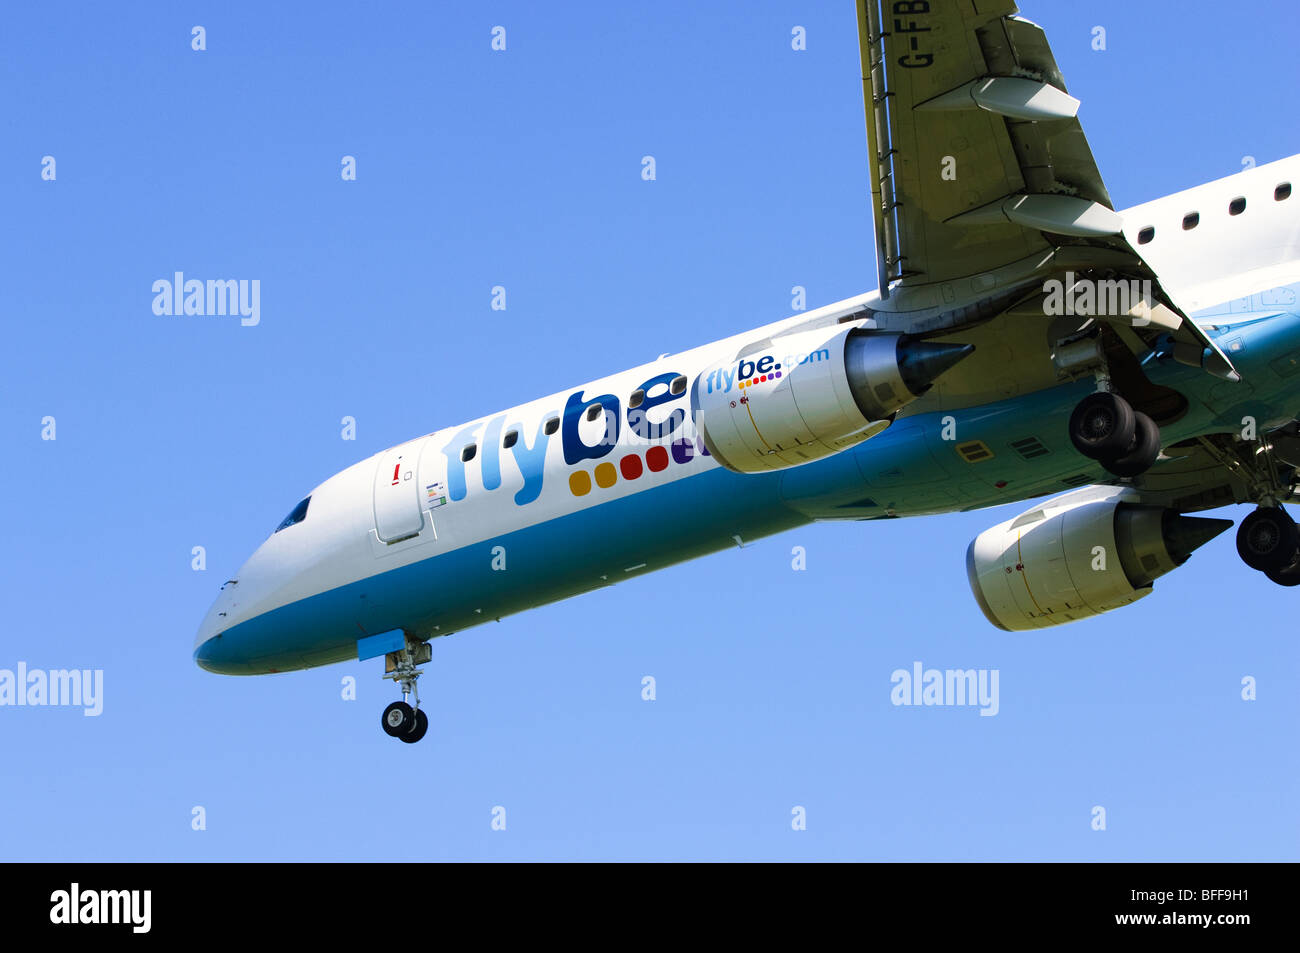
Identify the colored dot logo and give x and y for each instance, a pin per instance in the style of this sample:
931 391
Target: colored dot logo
632 466
762 378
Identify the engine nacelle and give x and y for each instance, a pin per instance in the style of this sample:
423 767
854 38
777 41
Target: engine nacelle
800 397
1079 556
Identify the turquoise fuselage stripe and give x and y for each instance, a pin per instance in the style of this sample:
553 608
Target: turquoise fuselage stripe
910 469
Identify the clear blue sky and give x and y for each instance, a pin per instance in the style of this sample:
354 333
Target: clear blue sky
522 169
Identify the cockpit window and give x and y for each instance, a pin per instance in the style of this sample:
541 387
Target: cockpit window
298 514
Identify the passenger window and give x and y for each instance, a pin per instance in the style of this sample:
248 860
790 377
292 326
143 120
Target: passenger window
1237 205
594 411
552 425
1283 191
678 386
634 401
297 515
511 438
1191 220
1146 234
467 454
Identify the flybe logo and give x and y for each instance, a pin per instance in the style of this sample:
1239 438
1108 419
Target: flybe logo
499 436
747 372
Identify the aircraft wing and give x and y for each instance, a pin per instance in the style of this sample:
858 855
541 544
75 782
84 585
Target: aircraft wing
983 184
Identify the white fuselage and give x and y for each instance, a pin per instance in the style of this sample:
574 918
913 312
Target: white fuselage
459 493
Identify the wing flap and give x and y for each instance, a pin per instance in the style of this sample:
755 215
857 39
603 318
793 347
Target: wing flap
976 143
983 183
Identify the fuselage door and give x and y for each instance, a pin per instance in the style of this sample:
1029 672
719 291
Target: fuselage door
397 499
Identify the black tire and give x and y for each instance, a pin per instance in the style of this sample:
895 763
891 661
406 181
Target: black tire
1288 576
418 729
1146 447
398 719
1102 426
1267 539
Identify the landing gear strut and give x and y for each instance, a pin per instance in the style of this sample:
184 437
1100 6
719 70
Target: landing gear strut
1106 428
400 719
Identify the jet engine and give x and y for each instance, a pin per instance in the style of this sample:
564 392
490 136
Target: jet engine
797 398
1078 556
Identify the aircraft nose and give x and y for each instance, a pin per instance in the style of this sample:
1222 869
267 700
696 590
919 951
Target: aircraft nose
207 641
206 631
214 652
234 637
204 647
203 654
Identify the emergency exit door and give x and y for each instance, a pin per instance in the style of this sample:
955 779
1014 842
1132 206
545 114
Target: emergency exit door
397 498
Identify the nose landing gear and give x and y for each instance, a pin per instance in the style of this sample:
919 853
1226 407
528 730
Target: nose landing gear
400 719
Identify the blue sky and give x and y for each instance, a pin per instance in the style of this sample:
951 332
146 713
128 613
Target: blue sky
522 168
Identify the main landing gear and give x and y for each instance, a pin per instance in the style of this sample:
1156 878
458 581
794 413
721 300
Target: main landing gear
1267 540
1105 427
400 719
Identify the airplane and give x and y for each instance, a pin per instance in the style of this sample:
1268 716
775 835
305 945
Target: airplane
1124 368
